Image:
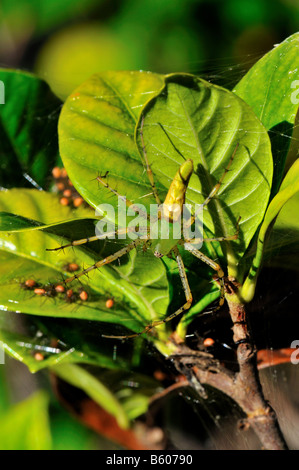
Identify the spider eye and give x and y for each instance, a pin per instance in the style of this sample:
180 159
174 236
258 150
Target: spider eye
158 254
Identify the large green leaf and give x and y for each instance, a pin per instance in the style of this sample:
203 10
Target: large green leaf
193 119
59 344
96 133
271 89
4 390
29 208
203 291
28 129
39 352
282 247
48 341
140 295
205 122
267 87
293 152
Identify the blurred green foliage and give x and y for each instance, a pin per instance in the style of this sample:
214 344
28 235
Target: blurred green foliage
36 421
66 43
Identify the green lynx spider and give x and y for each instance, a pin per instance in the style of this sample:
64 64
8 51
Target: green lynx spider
175 196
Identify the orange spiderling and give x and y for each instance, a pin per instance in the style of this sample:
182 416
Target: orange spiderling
30 283
208 342
39 291
63 173
78 201
67 193
59 288
39 356
109 303
71 267
83 295
56 172
64 201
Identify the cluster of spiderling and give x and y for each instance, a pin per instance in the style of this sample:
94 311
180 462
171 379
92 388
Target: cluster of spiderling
55 290
68 194
58 289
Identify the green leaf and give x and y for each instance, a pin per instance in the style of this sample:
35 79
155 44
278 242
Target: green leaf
293 152
28 129
51 338
289 187
28 209
282 247
271 89
4 389
139 295
194 119
96 134
267 87
26 425
47 341
24 349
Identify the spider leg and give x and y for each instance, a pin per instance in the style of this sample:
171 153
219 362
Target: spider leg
94 238
135 207
109 259
217 239
148 168
82 241
214 266
186 288
186 305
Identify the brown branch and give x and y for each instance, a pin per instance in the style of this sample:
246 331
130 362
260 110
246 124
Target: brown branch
244 386
249 396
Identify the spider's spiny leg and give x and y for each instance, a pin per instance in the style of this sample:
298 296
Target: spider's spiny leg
214 266
125 336
186 305
94 238
135 207
82 241
196 241
187 291
109 259
186 287
148 168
